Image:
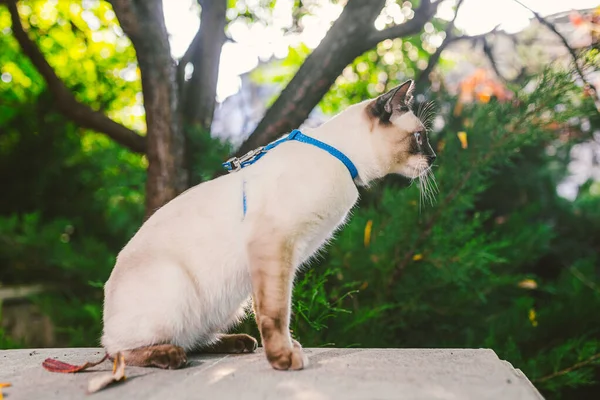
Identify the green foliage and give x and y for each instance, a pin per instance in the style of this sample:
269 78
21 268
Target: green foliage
392 62
205 155
497 261
71 198
85 45
5 341
313 305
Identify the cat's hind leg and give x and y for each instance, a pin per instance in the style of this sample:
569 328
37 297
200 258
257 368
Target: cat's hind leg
165 356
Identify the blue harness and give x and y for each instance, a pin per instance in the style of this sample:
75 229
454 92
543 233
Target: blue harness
235 164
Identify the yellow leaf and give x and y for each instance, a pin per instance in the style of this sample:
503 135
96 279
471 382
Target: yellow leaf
368 228
3 385
364 285
462 136
484 97
532 317
528 284
417 257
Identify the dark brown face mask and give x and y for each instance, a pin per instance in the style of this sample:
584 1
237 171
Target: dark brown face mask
421 146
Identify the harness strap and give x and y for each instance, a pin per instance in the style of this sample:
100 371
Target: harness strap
235 164
244 204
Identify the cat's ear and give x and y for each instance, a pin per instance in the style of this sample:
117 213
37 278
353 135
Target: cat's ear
399 99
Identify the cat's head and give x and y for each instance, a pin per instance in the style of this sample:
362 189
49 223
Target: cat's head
399 135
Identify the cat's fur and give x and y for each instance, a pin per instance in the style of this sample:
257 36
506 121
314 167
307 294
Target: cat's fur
188 273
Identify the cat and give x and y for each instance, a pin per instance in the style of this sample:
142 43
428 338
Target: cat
195 265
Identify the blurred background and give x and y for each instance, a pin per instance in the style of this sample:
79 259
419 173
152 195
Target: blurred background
110 109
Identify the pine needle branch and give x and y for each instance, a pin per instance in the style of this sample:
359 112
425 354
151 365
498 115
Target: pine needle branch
581 364
449 198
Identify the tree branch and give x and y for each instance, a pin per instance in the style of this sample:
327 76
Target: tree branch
351 35
144 23
564 41
199 94
66 102
489 53
488 50
345 40
423 13
584 363
435 57
184 61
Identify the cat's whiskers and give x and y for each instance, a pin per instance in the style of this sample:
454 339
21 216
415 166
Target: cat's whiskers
427 184
421 194
432 186
435 185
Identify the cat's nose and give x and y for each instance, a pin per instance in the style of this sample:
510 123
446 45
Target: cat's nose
431 157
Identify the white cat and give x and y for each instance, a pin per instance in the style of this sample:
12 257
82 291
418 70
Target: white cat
188 273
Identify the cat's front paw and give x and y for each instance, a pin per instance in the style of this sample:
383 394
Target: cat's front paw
288 358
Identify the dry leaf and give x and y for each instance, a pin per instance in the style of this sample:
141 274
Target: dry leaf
104 380
528 284
462 136
533 318
54 365
368 229
3 385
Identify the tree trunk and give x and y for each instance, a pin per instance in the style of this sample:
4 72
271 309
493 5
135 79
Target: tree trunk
345 41
199 93
143 21
205 53
350 36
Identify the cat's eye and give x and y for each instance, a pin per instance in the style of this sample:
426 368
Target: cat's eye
419 138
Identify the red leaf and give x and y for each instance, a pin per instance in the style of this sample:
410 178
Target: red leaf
53 365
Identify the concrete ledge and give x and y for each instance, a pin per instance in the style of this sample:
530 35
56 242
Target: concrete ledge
476 374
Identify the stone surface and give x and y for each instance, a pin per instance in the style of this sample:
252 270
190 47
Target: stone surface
333 374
